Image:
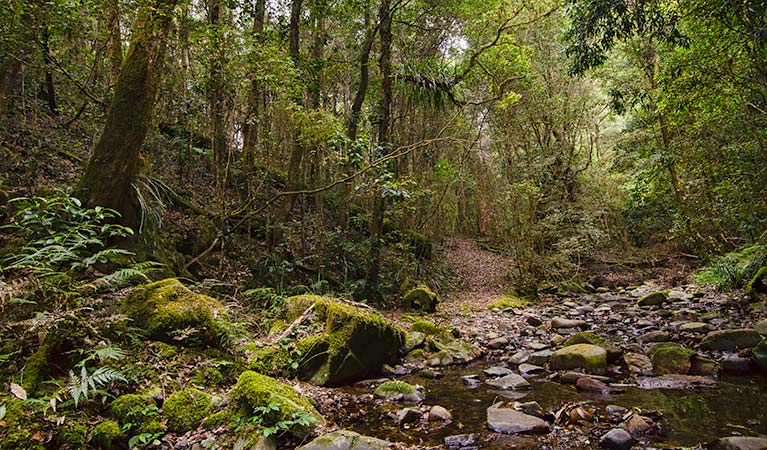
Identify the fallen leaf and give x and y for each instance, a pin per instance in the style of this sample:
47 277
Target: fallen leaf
18 391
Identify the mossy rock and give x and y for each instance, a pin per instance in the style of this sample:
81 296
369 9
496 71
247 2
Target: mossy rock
54 356
614 352
455 352
217 419
668 358
186 409
107 435
167 306
20 432
653 298
420 298
757 286
137 409
731 339
588 357
510 301
760 355
254 390
354 344
398 391
435 331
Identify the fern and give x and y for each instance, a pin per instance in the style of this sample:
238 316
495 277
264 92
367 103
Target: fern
81 386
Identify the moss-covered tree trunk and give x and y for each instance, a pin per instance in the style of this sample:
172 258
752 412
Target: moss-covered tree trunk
108 178
114 40
251 126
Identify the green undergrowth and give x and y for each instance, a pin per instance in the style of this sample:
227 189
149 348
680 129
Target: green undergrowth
735 269
510 301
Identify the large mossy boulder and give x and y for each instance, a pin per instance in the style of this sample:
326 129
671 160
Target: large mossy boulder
653 298
757 286
165 307
186 409
420 298
346 440
670 358
354 343
614 352
255 393
731 340
588 357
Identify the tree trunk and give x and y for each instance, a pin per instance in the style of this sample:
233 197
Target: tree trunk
297 153
251 125
108 178
217 95
114 40
379 203
50 89
362 88
9 68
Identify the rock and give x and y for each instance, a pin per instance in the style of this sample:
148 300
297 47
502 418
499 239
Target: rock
511 421
618 439
638 363
588 384
557 340
694 327
398 391
740 443
254 390
265 443
420 298
510 381
731 340
413 340
164 307
676 381
580 356
644 323
761 327
758 284
669 358
454 352
654 336
760 355
408 415
353 345
397 370
703 366
586 337
637 425
532 408
533 321
346 440
498 343
497 371
530 369
679 295
439 413
736 364
185 410
539 358
561 322
460 440
519 357
573 377
653 299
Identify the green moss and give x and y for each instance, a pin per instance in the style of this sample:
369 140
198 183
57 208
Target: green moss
165 351
136 409
73 436
273 361
278 326
416 355
758 283
435 331
207 376
420 298
589 357
167 306
391 388
153 427
107 434
510 301
653 298
217 419
669 358
254 390
20 431
186 409
614 352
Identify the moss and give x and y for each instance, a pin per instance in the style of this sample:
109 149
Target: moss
278 326
217 419
586 337
395 387
653 298
165 351
296 305
186 409
136 409
274 361
73 436
435 331
510 301
167 306
420 298
254 390
20 431
207 376
107 434
589 357
153 427
758 283
416 355
671 358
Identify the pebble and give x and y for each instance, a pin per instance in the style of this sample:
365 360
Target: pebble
618 439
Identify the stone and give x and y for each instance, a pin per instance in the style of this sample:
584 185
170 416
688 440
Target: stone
519 357
398 391
409 415
703 366
618 439
676 381
669 358
573 377
497 371
653 299
586 337
420 298
736 364
694 327
731 340
539 358
532 408
637 425
638 363
533 321
761 327
654 336
460 440
413 340
587 384
740 443
346 440
588 357
557 340
510 381
497 343
439 414
530 369
760 355
561 322
758 285
511 421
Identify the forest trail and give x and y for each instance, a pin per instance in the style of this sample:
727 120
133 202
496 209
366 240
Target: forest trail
481 275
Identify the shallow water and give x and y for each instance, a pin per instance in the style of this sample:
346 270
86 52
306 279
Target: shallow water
689 417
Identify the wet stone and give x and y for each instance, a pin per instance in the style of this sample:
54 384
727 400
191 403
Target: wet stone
740 443
694 327
654 336
511 421
618 439
460 440
510 381
519 357
498 343
587 384
497 371
731 340
677 381
561 322
530 369
540 358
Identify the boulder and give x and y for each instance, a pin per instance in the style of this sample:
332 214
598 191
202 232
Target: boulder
354 344
759 354
588 357
669 358
677 381
757 286
186 409
761 327
731 340
420 298
618 439
740 443
346 440
510 381
586 337
511 421
653 299
167 306
398 391
254 391
561 322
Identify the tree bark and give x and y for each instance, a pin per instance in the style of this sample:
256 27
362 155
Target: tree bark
251 125
9 68
297 153
217 95
50 89
108 178
362 88
114 40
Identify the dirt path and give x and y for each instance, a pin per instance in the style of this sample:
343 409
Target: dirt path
482 276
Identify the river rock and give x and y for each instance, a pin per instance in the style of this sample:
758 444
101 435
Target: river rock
510 381
588 357
654 336
694 327
731 340
398 391
586 337
573 377
653 299
413 340
761 327
669 358
440 414
409 415
460 440
530 369
618 439
497 343
511 421
760 355
736 364
637 425
497 371
519 357
638 363
539 358
676 381
740 443
588 384
533 321
346 440
561 322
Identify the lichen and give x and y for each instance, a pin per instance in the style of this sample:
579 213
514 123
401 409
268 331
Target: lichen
186 409
254 390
